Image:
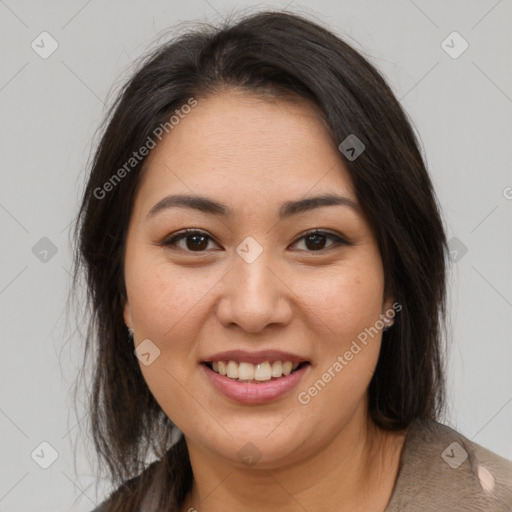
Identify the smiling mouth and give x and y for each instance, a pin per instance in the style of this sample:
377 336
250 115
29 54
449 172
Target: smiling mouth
255 373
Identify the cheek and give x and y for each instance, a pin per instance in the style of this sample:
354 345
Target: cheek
345 301
343 309
163 297
166 305
344 313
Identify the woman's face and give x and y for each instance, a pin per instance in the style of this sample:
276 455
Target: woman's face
252 287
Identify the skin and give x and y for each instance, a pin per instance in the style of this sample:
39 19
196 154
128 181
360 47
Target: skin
252 154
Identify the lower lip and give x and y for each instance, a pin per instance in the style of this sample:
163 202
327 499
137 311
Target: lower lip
255 393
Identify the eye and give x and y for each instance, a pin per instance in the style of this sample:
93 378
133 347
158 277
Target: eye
315 240
197 241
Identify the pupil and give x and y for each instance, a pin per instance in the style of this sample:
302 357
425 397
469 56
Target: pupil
314 242
195 245
319 241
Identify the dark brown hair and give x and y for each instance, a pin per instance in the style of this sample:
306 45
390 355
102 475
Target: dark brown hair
263 53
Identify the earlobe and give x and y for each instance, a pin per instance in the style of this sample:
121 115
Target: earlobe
388 312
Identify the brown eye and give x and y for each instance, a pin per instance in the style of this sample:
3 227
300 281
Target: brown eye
195 241
316 240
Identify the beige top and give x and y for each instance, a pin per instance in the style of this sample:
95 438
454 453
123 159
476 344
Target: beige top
440 471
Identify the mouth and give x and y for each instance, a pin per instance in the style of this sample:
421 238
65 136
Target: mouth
244 371
252 378
250 383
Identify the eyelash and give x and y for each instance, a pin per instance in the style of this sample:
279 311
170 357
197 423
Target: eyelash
170 242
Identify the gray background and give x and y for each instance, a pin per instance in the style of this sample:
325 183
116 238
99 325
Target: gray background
50 109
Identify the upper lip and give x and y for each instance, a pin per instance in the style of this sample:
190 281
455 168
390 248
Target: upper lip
255 357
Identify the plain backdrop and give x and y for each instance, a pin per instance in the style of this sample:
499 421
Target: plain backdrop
460 104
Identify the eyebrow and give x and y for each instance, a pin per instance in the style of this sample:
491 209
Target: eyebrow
287 209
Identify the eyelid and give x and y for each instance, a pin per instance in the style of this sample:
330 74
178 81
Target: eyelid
338 239
171 240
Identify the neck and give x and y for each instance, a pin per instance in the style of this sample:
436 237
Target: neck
355 471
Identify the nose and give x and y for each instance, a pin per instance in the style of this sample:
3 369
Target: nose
255 296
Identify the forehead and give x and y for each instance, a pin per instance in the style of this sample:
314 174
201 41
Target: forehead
238 145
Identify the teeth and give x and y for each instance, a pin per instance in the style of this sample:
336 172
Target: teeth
232 370
245 371
262 372
277 369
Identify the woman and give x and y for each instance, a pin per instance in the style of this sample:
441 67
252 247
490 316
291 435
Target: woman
265 261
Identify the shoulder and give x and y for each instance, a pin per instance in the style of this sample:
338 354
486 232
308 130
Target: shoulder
443 470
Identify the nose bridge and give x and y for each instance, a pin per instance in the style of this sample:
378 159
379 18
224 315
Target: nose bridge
254 296
253 272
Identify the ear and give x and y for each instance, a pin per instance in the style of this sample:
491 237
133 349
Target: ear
127 313
389 300
387 306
